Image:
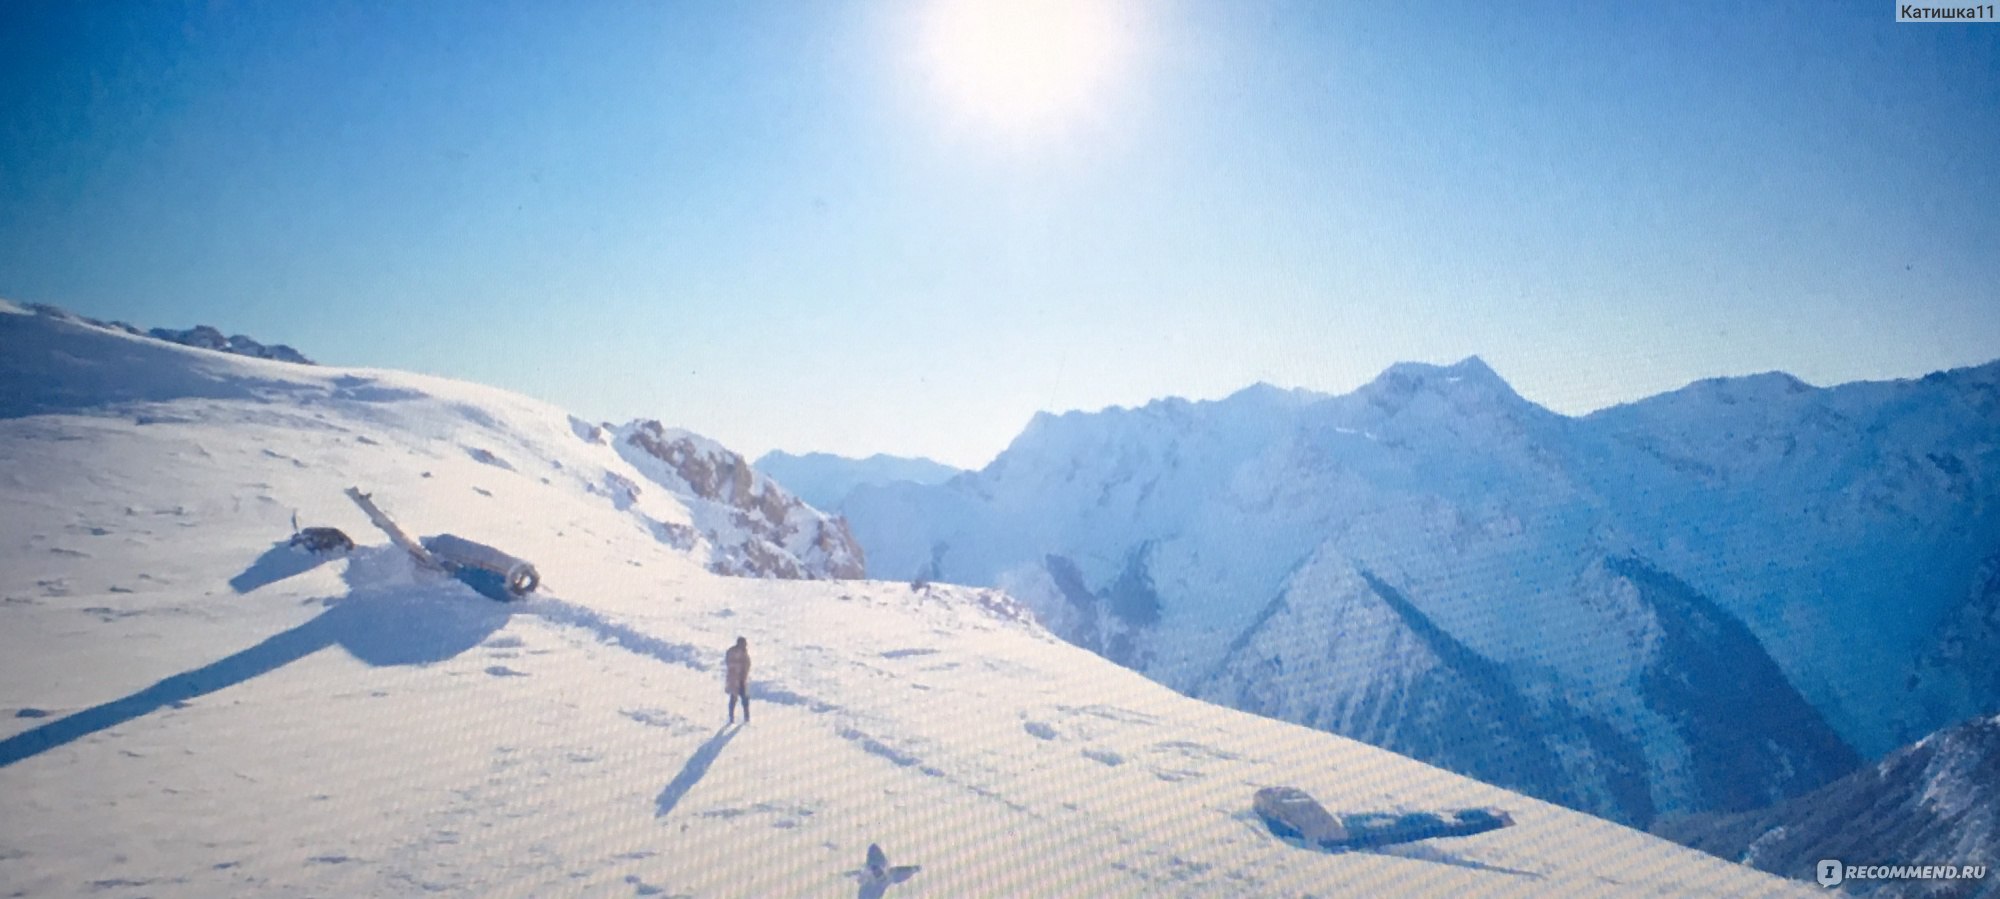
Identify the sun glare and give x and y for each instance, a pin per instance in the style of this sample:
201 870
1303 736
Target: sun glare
1023 65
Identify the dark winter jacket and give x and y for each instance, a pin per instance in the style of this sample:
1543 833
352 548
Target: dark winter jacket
737 664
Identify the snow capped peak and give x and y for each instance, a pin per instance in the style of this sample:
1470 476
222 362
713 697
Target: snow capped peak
1471 367
1469 379
1761 387
1775 529
1242 419
1265 393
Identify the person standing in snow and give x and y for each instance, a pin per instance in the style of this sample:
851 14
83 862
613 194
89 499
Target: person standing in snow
736 665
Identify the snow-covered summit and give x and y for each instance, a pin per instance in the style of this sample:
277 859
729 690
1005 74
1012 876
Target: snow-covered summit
1623 572
1470 380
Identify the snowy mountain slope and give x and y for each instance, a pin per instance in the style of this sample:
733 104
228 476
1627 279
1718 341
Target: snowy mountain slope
825 480
1505 526
193 711
1960 664
1936 801
59 364
1855 517
1344 652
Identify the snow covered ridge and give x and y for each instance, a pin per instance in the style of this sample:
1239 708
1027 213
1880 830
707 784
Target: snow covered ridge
1936 801
769 532
191 708
61 364
199 336
1707 600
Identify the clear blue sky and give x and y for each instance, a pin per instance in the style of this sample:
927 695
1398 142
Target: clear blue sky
771 223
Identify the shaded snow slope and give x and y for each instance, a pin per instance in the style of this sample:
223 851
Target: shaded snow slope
825 480
1936 801
188 709
1845 525
1619 576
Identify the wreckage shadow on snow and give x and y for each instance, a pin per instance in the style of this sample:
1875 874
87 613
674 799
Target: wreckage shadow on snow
279 562
397 627
1416 850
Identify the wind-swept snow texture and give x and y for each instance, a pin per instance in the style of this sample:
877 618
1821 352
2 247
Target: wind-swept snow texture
187 710
1708 600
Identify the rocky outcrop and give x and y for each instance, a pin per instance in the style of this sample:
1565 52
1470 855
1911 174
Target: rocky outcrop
755 527
200 336
209 338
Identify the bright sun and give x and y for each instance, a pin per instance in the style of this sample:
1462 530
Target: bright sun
1023 65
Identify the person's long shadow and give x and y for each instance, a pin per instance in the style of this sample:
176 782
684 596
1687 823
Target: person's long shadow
400 625
1422 853
693 771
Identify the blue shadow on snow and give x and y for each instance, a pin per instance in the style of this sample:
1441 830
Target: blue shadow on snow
279 562
403 627
694 770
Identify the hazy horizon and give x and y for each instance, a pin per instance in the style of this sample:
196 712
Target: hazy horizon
906 228
755 453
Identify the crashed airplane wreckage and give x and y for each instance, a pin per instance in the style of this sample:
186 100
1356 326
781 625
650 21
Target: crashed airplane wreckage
492 572
1292 813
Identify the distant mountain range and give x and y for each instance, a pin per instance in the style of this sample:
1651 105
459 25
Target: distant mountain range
825 480
1709 600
